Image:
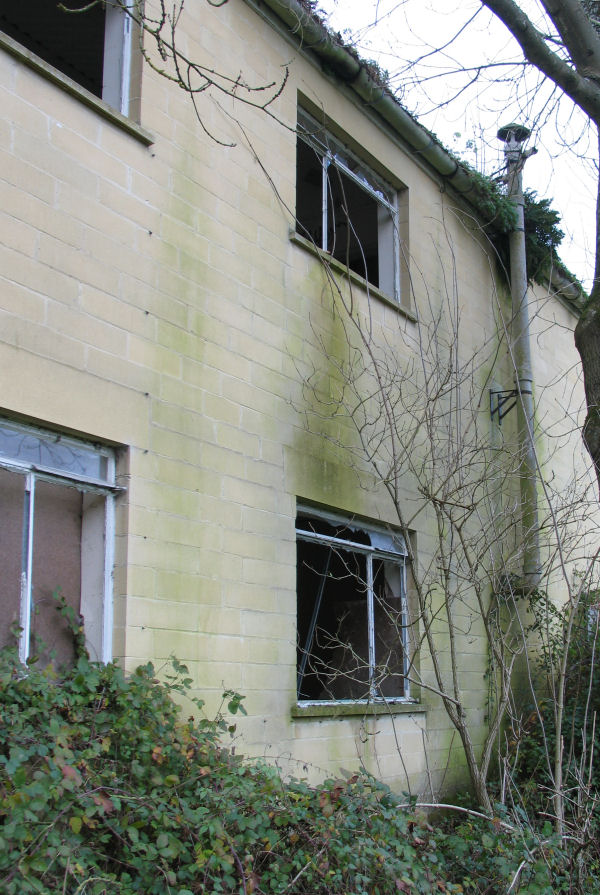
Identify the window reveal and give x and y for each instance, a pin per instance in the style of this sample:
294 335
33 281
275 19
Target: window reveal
56 533
344 209
351 612
91 47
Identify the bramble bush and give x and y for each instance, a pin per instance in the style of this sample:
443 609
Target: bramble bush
105 788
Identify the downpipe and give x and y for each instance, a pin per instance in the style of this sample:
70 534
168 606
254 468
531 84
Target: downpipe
513 136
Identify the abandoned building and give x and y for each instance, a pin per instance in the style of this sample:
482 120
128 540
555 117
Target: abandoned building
182 452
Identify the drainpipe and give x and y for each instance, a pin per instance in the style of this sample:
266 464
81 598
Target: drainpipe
513 136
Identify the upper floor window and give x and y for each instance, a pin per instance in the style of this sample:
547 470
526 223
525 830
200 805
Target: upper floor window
56 535
93 47
352 617
345 209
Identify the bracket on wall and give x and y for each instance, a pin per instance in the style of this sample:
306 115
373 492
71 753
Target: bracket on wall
499 400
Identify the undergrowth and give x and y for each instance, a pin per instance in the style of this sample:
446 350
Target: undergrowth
106 787
533 745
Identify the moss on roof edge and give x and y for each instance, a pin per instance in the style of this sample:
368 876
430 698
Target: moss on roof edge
312 34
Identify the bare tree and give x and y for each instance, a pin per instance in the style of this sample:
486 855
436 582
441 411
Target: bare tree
420 432
420 428
560 43
418 407
570 58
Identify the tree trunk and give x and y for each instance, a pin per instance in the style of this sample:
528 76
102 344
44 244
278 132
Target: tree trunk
587 340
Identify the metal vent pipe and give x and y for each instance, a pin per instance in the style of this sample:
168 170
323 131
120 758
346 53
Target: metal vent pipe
513 136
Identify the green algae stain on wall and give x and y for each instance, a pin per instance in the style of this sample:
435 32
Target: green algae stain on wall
321 462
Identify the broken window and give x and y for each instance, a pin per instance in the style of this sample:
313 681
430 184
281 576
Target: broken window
56 537
93 47
352 612
344 209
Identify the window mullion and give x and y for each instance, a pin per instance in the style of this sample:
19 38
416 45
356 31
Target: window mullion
371 627
27 567
325 204
109 559
404 632
126 70
396 249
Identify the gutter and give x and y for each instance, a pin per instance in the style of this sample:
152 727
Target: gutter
345 64
570 291
312 35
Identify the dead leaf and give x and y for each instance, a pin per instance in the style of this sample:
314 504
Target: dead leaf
103 801
70 773
157 755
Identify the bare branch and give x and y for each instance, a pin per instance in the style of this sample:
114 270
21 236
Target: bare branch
576 85
579 37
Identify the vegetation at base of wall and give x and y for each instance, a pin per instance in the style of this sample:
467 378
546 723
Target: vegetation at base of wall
536 744
106 788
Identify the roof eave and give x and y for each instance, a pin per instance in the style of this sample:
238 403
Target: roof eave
313 35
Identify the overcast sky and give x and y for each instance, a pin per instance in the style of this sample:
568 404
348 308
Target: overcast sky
466 116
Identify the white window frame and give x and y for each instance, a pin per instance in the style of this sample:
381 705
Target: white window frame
333 153
390 547
98 525
116 69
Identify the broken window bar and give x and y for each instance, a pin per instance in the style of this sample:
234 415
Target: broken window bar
371 628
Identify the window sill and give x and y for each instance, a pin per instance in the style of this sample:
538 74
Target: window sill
340 268
349 709
74 89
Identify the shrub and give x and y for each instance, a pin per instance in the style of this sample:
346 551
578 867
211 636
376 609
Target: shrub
105 789
491 858
579 731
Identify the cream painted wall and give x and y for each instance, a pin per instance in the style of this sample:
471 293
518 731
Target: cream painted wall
151 297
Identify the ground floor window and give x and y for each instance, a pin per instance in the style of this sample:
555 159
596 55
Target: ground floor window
352 619
56 535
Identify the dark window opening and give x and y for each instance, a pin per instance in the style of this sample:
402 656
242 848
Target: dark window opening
309 193
351 614
352 231
71 42
341 209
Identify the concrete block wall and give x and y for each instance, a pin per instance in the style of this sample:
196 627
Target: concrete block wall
151 298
